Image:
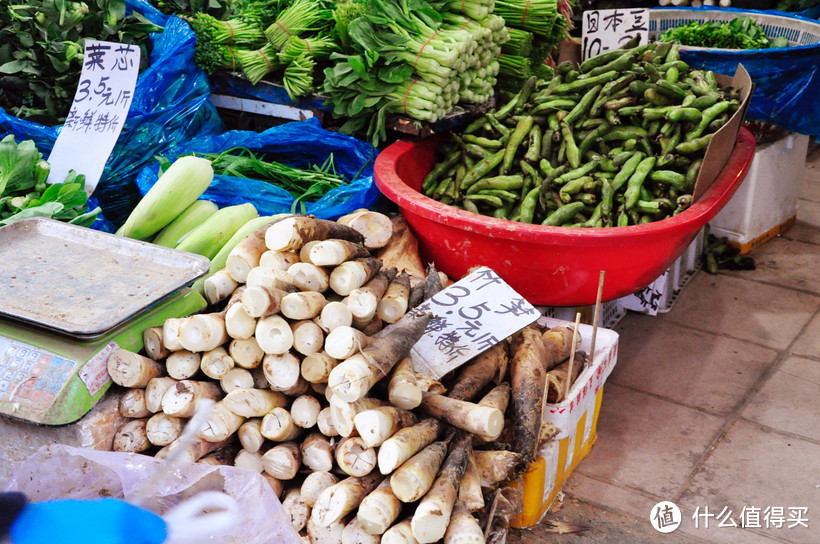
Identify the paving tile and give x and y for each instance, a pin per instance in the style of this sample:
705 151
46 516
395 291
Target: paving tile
698 369
790 399
789 263
764 314
617 498
810 189
647 443
715 534
807 227
757 468
808 343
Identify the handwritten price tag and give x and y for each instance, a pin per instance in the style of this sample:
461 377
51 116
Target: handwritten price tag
605 29
98 112
469 317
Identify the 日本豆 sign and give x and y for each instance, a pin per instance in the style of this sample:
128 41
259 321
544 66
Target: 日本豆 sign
98 113
469 317
606 29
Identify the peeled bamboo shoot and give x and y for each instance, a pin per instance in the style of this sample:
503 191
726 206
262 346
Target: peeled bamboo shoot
308 277
246 254
316 367
305 411
304 305
246 353
378 424
249 435
344 342
292 233
469 490
314 484
325 423
295 506
400 533
351 275
183 364
254 402
354 457
406 443
219 286
340 499
152 340
308 338
317 453
130 369
335 252
249 460
274 335
484 421
216 363
354 533
403 390
238 323
393 304
277 425
154 392
132 404
413 479
163 429
374 226
336 314
203 332
132 437
220 424
379 509
278 260
463 527
181 400
282 371
282 461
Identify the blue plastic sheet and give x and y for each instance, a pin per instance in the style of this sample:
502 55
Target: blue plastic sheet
170 105
299 144
787 79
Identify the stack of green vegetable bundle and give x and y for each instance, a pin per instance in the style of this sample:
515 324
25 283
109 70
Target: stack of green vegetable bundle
410 58
740 33
536 29
618 142
24 192
41 51
265 36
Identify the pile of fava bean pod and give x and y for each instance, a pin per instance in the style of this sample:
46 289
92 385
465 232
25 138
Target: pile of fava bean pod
618 141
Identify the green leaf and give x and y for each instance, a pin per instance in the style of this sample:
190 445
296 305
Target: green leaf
358 65
13 67
49 209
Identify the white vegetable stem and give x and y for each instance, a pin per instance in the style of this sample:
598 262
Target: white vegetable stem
203 332
325 423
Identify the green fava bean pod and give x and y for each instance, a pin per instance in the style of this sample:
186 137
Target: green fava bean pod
519 134
482 168
563 214
633 188
528 206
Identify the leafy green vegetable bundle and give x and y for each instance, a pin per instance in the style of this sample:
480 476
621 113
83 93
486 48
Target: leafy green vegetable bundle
304 184
41 50
410 58
740 33
24 192
619 141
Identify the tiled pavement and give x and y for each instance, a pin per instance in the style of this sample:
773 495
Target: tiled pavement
715 404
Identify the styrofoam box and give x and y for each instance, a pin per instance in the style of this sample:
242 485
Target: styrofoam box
576 419
768 196
611 313
660 295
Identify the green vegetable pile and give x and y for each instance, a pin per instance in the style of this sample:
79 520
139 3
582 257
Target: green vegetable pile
619 141
24 192
41 51
304 184
740 33
413 58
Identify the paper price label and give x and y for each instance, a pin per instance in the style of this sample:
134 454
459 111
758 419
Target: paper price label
98 113
469 317
606 29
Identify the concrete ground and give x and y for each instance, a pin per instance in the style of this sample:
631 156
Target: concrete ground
715 405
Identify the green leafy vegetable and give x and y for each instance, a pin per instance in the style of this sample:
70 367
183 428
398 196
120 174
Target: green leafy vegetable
739 33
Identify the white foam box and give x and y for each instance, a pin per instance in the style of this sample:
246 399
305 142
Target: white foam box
765 204
576 419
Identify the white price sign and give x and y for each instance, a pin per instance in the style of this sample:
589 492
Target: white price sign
469 317
98 113
606 29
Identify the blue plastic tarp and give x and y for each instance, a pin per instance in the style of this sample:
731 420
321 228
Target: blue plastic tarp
300 144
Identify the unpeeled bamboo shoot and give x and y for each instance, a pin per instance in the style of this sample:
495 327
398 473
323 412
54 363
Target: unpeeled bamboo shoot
433 512
528 377
254 402
246 353
308 277
403 390
354 457
340 499
220 424
469 489
402 251
374 226
282 461
249 435
314 484
296 508
219 286
498 397
163 429
496 466
484 421
378 424
216 363
413 478
130 369
316 367
481 371
305 411
292 233
406 443
154 392
379 509
335 252
132 404
317 453
249 460
393 304
131 437
183 364
152 340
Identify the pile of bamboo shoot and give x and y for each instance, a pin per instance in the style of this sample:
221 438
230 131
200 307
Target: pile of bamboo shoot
307 360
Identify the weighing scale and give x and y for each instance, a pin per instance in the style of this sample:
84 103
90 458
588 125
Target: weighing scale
70 297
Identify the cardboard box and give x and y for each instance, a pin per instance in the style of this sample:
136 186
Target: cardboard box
576 419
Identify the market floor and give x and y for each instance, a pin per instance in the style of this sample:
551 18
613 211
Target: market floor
715 404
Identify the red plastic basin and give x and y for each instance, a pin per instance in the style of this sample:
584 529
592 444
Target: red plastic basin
551 266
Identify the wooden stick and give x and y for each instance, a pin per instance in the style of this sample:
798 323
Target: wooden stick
571 358
594 319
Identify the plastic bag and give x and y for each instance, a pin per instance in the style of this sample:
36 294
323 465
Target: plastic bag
170 105
787 79
64 472
296 144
